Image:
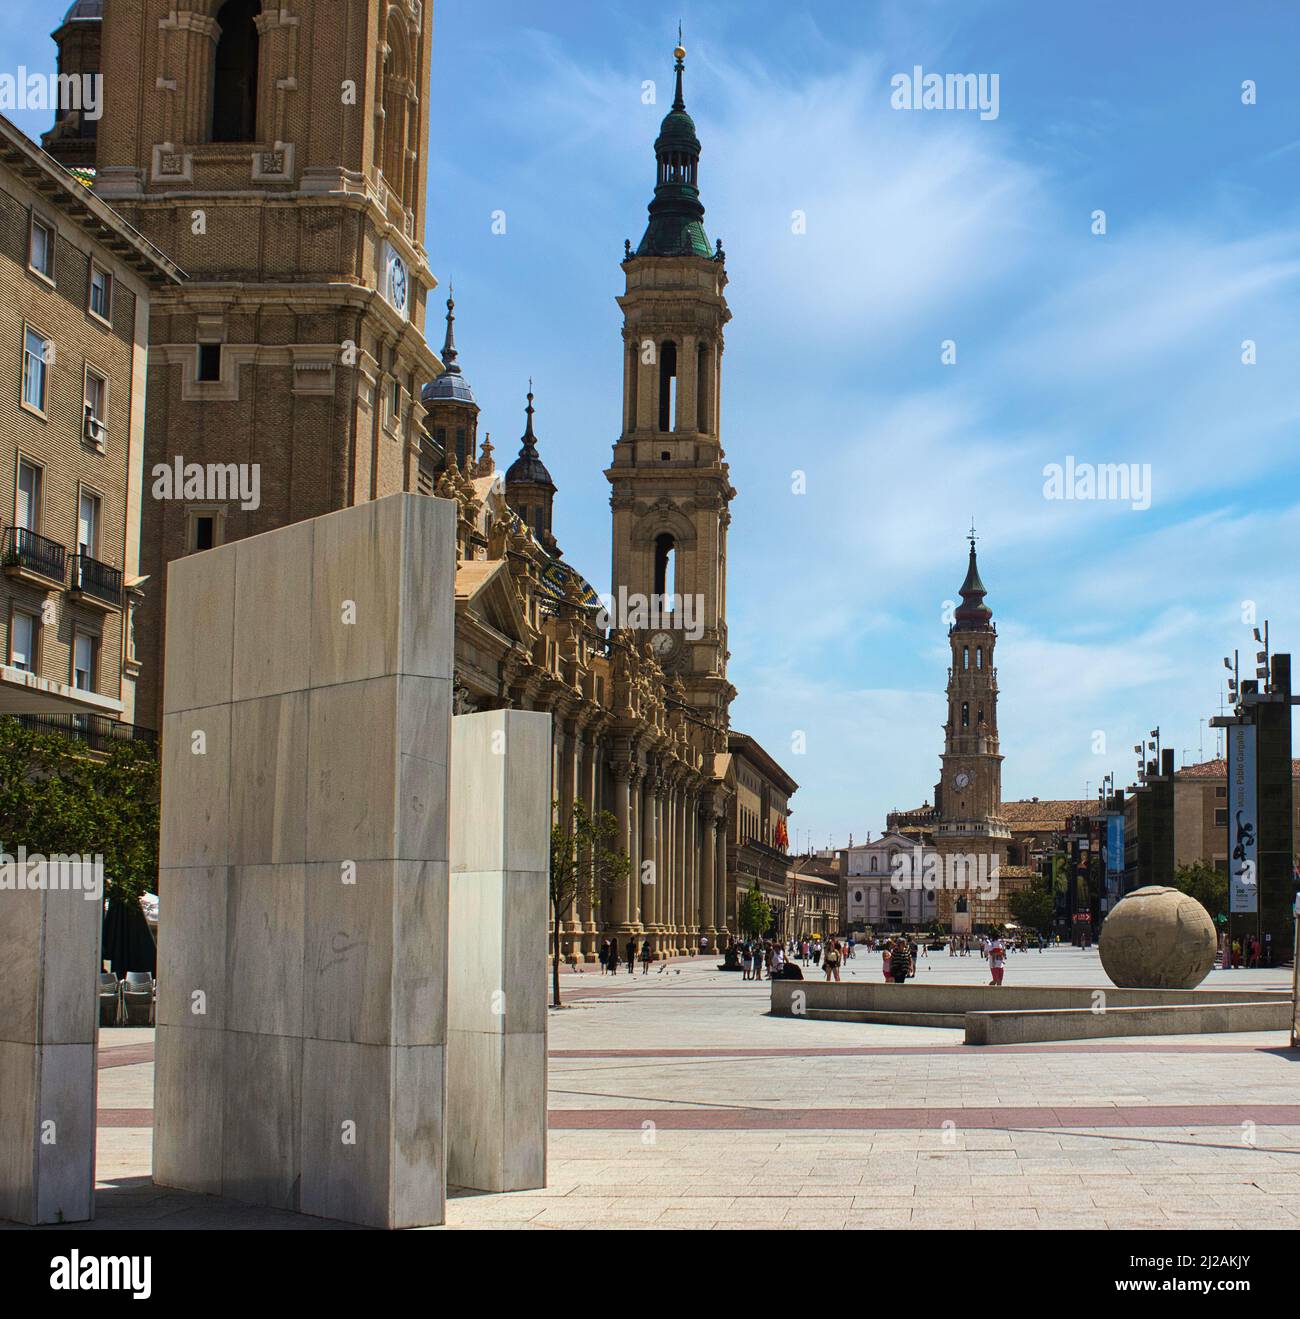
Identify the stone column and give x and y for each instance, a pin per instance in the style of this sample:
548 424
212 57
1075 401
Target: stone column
681 920
621 919
668 875
590 791
721 882
690 911
662 916
708 887
496 953
685 420
650 892
302 964
694 922
635 892
647 390
49 1001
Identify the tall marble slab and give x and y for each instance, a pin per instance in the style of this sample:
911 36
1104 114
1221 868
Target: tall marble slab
497 950
49 961
302 947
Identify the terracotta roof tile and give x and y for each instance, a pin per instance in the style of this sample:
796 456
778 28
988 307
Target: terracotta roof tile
1027 816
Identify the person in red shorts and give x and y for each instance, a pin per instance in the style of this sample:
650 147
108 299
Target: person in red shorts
997 960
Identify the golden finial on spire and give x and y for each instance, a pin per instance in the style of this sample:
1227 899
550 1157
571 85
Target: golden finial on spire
680 51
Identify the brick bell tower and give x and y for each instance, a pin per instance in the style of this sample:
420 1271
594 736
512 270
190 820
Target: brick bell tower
278 152
969 793
671 489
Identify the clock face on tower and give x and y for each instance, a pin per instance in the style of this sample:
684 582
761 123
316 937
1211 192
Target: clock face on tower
665 646
397 282
961 779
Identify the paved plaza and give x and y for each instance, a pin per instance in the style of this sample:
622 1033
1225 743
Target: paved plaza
676 1101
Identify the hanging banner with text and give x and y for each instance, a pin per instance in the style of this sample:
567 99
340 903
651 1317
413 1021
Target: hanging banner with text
1243 821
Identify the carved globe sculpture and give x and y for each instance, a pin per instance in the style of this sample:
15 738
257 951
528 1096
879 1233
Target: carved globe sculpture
1158 938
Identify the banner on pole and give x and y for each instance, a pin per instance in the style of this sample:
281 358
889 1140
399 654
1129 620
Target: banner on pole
1243 821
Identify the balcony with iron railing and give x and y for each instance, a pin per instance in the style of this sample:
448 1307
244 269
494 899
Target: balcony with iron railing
26 553
96 583
97 731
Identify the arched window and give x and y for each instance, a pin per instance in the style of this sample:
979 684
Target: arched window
234 82
965 657
665 566
667 384
980 720
965 714
979 657
397 81
874 860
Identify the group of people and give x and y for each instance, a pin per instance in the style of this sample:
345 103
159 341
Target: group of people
610 959
899 956
898 959
1241 953
773 959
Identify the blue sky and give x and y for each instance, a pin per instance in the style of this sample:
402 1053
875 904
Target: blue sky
920 227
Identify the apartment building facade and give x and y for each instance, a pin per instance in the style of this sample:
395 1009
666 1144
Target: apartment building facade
75 288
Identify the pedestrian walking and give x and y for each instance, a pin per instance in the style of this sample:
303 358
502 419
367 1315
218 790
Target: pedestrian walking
831 960
631 958
886 960
647 956
900 962
997 960
604 956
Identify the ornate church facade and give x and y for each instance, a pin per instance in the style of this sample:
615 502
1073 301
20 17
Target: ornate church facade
280 154
641 708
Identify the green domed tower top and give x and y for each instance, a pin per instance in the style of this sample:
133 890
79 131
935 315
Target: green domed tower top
676 225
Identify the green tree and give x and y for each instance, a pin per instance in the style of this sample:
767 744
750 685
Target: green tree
1208 886
1034 906
55 797
586 866
755 912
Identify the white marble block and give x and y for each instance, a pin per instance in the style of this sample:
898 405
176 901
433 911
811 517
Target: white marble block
49 951
496 1026
302 959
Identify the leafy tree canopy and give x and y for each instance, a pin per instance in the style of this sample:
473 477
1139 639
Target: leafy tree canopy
57 798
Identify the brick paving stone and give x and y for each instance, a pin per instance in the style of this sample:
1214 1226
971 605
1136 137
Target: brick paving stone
763 1121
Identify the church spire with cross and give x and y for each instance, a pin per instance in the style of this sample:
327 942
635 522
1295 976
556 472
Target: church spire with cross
973 612
969 792
670 483
676 226
450 409
529 488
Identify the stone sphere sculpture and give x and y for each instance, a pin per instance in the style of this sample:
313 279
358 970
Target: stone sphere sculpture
1157 938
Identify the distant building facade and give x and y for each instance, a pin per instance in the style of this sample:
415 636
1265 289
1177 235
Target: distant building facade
758 828
815 910
872 899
